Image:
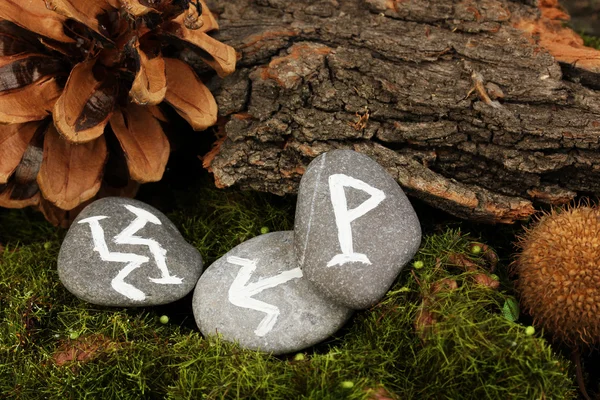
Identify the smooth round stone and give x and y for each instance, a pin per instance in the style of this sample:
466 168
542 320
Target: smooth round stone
122 252
256 295
355 229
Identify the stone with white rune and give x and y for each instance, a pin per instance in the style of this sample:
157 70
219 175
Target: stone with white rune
355 229
256 295
122 252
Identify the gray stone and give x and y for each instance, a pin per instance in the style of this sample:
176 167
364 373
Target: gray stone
256 295
355 228
122 252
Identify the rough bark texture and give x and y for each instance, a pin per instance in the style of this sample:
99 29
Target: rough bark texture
480 108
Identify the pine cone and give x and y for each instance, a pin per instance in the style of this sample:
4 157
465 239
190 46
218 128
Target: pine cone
81 82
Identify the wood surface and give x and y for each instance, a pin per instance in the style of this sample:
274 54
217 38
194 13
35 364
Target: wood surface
484 109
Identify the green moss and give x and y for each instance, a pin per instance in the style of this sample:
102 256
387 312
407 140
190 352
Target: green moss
426 339
590 41
25 226
215 221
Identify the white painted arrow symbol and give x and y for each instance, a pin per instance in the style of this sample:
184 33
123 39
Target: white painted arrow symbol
240 292
134 261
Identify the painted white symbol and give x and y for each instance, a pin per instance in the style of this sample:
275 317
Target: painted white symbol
343 216
134 261
241 292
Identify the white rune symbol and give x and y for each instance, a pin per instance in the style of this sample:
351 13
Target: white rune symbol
343 216
134 261
241 292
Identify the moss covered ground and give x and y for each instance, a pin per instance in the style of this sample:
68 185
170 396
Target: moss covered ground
448 329
591 41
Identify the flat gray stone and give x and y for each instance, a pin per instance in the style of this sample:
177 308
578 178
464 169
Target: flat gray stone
355 228
122 252
255 295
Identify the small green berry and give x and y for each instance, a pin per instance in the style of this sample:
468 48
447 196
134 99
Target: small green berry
418 264
164 319
347 384
299 357
264 229
47 245
530 330
476 249
73 335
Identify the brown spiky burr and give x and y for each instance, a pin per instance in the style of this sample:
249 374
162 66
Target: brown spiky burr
558 274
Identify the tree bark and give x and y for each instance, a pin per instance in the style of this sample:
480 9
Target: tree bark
480 108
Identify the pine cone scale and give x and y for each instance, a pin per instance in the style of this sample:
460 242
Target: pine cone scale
15 40
14 140
134 7
79 167
146 154
94 74
88 12
35 17
24 69
150 83
22 189
30 103
82 111
189 96
219 56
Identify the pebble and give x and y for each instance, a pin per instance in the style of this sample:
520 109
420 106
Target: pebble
122 252
355 229
257 296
